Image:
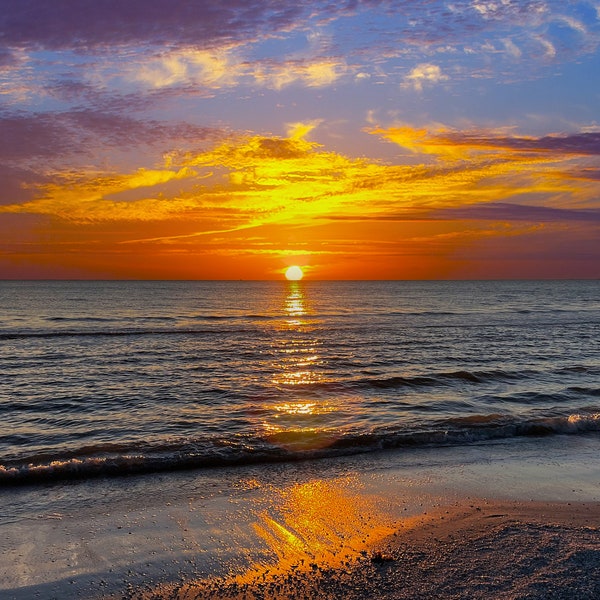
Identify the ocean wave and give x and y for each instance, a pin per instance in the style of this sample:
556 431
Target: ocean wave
110 333
419 381
112 460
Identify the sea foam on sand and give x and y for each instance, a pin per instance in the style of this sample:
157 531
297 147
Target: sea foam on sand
503 520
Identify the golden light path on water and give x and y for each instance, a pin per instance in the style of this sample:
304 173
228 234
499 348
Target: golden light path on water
298 423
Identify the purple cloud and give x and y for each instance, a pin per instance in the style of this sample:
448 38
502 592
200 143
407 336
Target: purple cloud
576 143
45 136
93 24
36 136
13 191
585 173
88 25
504 211
7 58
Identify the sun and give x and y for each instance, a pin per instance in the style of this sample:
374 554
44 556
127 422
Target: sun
294 273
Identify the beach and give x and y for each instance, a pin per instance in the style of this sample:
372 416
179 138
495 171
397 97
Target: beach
480 550
507 520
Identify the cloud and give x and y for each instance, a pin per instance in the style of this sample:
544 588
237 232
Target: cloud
452 144
512 49
503 211
576 144
300 130
309 72
571 22
18 185
250 181
425 73
38 148
584 173
27 137
57 136
89 198
8 58
98 25
212 69
548 47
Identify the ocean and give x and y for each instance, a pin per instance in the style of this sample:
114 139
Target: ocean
113 378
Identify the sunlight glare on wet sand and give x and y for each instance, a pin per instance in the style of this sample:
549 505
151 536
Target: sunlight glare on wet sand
318 522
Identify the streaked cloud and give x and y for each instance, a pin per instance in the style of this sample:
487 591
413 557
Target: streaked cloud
503 211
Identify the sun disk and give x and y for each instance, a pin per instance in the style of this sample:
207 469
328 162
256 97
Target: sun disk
294 273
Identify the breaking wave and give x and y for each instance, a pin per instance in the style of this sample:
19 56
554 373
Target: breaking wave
113 460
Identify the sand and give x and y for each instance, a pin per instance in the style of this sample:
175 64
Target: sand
504 550
506 520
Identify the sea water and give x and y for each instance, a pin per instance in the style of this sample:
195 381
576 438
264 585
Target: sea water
108 378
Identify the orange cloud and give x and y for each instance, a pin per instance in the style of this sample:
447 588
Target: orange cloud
255 200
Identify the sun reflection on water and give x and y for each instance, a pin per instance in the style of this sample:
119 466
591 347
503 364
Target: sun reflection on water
298 351
295 307
296 408
299 422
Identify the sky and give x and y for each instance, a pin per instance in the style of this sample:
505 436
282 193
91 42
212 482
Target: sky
358 139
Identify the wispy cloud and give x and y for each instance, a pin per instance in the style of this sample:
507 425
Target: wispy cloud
452 143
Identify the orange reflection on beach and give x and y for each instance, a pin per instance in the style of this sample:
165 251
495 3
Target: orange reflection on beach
319 523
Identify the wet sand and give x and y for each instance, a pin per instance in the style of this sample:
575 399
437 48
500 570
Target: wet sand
406 524
507 550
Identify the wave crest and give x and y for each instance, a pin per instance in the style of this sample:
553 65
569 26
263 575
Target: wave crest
113 460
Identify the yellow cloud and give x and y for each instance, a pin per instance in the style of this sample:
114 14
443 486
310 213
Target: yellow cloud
310 72
212 69
260 182
90 198
226 67
301 130
422 141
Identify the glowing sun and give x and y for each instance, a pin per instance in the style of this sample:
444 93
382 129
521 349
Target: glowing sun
294 273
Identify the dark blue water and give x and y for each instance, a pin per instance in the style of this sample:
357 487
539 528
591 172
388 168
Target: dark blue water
103 378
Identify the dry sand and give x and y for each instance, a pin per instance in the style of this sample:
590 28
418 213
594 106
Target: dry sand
492 550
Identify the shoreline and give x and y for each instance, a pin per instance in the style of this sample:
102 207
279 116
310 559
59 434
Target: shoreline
480 549
148 537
